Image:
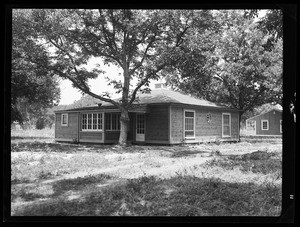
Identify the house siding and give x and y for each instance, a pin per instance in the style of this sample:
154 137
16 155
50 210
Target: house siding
204 131
163 124
157 123
176 125
274 123
69 132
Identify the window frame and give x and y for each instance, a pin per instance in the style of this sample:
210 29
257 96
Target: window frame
67 119
194 124
262 125
117 119
86 129
229 124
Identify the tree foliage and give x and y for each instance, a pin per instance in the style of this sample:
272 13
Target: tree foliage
271 24
238 71
141 42
33 87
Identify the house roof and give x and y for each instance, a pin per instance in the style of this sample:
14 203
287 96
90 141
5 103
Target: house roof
275 108
161 96
169 96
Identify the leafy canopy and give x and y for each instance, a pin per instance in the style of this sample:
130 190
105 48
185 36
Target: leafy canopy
32 85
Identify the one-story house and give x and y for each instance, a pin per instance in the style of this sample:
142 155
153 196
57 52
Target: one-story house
268 123
161 117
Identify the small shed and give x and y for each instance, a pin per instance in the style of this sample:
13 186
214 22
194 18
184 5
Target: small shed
161 117
268 123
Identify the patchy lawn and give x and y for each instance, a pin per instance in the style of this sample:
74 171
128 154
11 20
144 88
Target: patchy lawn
55 179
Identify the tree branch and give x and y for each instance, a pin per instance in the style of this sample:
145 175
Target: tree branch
147 77
144 57
86 89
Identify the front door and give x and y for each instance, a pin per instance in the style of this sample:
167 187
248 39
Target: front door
140 127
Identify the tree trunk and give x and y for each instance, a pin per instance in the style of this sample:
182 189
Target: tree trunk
124 120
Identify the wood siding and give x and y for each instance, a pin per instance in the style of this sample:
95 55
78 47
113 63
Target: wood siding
69 132
274 123
157 123
176 125
204 131
163 124
95 136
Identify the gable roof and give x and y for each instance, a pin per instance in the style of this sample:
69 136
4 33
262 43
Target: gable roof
161 96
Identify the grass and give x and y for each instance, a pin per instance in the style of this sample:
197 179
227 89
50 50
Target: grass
32 133
55 179
177 196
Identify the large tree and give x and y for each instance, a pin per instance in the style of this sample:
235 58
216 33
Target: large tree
246 74
33 88
141 42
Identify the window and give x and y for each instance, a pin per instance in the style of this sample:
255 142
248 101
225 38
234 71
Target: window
64 120
92 122
112 121
264 125
226 124
189 124
280 126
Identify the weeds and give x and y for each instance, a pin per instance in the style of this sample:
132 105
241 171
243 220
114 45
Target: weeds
188 193
257 162
191 196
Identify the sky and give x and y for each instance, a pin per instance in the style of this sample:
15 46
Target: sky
70 94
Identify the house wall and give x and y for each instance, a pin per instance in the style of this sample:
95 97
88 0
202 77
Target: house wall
164 124
69 132
204 131
274 123
157 124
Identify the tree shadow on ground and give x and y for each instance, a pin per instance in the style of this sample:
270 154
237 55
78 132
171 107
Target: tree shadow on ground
37 146
185 153
149 196
79 185
30 138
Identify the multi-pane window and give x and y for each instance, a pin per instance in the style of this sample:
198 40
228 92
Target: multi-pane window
264 125
140 124
226 125
64 119
189 124
92 122
112 121
84 121
89 121
100 120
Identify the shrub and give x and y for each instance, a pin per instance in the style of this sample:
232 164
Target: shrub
40 123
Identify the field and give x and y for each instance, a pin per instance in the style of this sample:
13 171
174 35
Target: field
60 179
